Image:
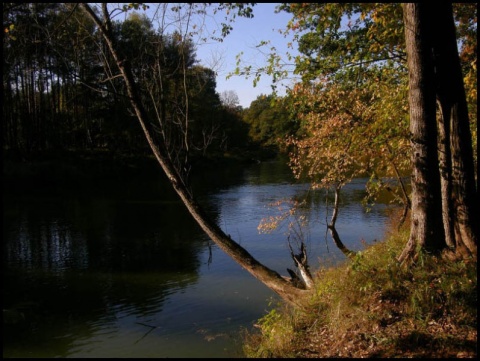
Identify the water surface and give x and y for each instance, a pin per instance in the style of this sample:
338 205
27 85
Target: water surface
119 268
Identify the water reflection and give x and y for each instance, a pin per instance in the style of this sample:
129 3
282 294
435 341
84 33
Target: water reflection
123 271
76 267
249 204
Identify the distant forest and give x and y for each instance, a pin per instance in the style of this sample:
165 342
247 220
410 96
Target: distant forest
62 90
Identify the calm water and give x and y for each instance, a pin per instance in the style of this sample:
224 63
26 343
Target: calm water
119 269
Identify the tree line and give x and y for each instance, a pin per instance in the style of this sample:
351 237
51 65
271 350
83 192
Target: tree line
61 90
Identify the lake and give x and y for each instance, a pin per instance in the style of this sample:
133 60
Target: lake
120 269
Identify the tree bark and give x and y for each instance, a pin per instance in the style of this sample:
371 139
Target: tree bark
445 163
283 287
459 192
426 226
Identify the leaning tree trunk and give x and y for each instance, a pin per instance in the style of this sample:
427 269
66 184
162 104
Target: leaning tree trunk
283 287
459 193
426 226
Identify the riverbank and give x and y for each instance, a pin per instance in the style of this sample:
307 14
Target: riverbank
372 307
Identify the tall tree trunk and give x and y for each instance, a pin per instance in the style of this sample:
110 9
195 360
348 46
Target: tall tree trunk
283 287
462 197
426 226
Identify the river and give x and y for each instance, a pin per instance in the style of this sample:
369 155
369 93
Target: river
121 270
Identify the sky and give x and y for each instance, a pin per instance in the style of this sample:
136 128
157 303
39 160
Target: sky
246 34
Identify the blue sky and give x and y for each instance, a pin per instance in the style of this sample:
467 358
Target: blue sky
246 34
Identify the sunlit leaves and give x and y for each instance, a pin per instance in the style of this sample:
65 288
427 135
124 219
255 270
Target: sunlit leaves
288 216
135 6
352 104
333 37
362 44
350 131
324 153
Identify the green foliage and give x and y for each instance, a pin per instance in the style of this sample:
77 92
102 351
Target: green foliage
342 40
270 121
276 336
74 98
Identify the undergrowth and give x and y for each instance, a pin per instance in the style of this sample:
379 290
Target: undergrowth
374 307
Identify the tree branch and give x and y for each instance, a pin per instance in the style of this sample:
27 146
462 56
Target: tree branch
285 289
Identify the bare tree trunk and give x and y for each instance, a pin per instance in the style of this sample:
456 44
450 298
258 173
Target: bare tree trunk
283 287
301 262
426 226
331 226
462 196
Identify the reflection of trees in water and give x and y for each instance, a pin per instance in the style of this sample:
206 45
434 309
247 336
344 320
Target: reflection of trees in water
83 262
47 245
351 197
123 251
303 215
58 312
102 235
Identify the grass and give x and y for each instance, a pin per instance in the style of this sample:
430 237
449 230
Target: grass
373 307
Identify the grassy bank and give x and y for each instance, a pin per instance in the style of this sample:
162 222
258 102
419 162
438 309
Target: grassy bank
372 307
